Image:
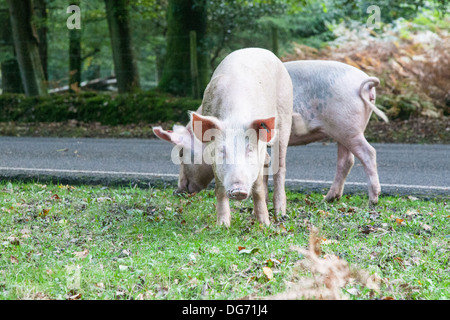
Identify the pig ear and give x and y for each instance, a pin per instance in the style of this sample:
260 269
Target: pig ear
265 129
179 136
162 134
202 124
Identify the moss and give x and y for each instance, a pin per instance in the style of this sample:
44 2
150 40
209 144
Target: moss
105 108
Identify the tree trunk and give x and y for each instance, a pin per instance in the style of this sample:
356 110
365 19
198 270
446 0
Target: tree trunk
184 16
40 9
26 47
11 82
125 65
74 60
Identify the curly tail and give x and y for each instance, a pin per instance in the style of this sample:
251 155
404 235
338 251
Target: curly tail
373 82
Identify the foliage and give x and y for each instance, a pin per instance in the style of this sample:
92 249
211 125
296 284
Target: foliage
105 108
84 242
412 62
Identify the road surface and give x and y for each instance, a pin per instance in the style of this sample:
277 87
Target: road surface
403 169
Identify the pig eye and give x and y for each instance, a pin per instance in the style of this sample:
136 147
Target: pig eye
181 153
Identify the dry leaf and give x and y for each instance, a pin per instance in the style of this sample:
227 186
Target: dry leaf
268 273
248 251
44 212
74 297
81 254
13 259
14 240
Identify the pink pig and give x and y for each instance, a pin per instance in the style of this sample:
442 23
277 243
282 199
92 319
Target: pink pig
331 99
246 105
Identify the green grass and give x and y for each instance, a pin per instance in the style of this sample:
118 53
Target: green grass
60 242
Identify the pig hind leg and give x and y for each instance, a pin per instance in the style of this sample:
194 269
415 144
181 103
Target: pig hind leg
344 164
367 155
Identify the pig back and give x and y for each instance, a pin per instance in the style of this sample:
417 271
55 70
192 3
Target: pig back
246 85
320 85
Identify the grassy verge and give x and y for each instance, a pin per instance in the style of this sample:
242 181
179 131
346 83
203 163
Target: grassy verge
84 242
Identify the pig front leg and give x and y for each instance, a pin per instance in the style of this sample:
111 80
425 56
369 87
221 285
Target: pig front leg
223 205
344 164
266 176
259 200
279 192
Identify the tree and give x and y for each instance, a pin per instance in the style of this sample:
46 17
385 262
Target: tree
26 47
40 9
184 16
75 60
124 60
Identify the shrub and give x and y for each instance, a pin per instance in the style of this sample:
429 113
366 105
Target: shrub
105 108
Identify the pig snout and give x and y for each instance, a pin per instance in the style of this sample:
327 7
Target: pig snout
237 193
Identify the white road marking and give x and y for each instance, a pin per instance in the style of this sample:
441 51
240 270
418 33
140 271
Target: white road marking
364 184
92 172
151 174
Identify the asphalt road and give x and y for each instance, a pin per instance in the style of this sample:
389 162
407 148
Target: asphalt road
403 169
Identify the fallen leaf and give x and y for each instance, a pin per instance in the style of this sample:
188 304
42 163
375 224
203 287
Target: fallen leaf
399 221
74 297
328 241
100 285
13 259
323 213
55 197
353 291
268 273
25 232
387 298
81 254
44 212
103 199
248 251
14 240
123 268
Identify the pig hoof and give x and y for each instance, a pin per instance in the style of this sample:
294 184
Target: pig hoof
224 223
332 198
179 193
265 222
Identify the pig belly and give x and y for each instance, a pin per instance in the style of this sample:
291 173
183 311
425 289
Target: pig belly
302 133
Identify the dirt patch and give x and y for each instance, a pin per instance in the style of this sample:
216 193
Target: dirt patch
419 130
